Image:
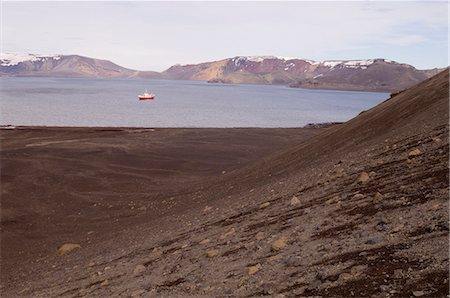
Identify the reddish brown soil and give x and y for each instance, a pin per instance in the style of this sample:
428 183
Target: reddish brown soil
384 237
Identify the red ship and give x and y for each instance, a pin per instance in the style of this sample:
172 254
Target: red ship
146 96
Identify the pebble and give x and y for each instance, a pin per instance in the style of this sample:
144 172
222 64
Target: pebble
295 201
259 236
212 253
253 269
104 283
138 269
137 293
363 178
264 205
418 293
204 241
358 196
228 233
378 197
67 247
375 240
279 244
414 152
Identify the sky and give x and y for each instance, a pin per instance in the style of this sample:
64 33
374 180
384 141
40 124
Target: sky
155 35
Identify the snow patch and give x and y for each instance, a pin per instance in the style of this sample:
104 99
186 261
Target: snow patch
10 59
363 64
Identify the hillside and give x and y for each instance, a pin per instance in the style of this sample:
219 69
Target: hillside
360 209
370 75
65 66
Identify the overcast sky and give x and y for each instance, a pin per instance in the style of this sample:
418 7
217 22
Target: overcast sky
156 35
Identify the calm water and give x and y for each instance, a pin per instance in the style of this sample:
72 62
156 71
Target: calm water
113 102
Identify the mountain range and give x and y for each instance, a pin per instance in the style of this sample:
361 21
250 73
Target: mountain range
368 75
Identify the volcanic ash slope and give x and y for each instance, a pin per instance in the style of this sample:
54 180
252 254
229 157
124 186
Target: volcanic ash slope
360 210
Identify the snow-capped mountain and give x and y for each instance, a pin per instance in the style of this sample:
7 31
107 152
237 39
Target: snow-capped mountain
64 66
369 74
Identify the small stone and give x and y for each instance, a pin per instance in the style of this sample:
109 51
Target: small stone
104 283
264 205
253 269
206 209
414 152
378 197
333 200
228 233
138 269
314 285
137 293
418 293
436 139
204 241
212 253
345 276
363 178
259 236
67 247
375 240
279 244
91 264
274 258
295 201
358 196
383 288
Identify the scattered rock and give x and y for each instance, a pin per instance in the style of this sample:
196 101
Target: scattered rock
206 209
264 205
212 253
293 261
383 288
436 139
295 201
358 196
414 152
274 258
279 244
137 293
259 236
375 240
345 276
418 293
333 200
204 241
91 264
378 197
314 285
228 233
67 247
138 269
253 269
363 178
104 283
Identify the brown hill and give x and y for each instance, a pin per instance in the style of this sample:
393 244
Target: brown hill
370 75
67 66
359 210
